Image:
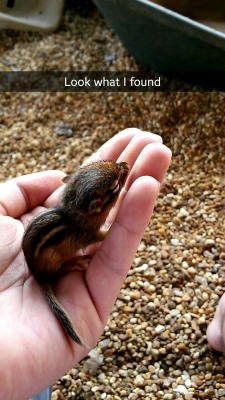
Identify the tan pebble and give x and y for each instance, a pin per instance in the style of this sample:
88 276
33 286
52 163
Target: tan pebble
156 344
191 270
186 297
141 268
149 289
130 346
67 378
197 382
194 325
139 381
177 327
95 389
128 309
209 243
162 231
133 396
135 295
123 372
137 261
177 300
165 335
151 305
155 352
129 333
167 292
162 350
167 317
189 396
164 254
154 387
141 246
182 346
176 372
201 320
151 273
185 264
144 324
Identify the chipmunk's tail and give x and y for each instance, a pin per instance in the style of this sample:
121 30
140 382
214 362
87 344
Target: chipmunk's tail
61 313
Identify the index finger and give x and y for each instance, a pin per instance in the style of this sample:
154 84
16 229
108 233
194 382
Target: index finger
24 193
114 147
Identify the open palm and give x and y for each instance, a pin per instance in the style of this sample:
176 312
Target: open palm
34 349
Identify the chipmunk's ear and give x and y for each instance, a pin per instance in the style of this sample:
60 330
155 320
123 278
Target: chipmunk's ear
66 178
96 205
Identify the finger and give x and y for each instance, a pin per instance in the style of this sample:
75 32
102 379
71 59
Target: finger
113 148
153 161
216 329
111 263
135 147
22 194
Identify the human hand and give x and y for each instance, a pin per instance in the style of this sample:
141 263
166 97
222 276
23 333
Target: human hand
216 329
34 349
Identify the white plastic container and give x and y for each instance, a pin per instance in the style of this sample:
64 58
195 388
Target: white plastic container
34 15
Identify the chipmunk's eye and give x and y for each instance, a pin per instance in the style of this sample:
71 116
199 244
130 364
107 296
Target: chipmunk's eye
115 186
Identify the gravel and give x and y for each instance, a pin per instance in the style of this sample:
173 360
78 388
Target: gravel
154 345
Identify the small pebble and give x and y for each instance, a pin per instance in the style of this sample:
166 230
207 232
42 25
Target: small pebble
64 130
103 343
209 243
139 380
175 242
160 329
174 312
142 268
181 389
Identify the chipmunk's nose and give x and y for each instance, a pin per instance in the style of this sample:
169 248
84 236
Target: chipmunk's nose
124 169
124 166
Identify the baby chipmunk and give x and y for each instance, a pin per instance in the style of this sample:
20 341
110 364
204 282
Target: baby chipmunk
56 235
